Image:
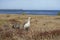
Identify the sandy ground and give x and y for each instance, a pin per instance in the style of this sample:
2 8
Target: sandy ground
39 24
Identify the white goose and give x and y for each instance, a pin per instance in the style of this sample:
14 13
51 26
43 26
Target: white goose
27 24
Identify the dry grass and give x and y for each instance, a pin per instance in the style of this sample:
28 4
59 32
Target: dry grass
43 27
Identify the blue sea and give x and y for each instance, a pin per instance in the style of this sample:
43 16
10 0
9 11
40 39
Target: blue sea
34 12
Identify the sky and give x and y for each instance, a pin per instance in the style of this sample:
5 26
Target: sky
30 4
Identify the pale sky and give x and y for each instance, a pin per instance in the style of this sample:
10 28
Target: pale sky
30 4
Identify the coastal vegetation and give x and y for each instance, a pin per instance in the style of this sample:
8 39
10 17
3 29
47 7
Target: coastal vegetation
42 27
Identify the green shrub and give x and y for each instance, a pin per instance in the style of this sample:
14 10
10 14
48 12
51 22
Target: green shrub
58 13
23 13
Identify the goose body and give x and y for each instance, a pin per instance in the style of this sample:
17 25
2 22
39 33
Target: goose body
27 24
16 25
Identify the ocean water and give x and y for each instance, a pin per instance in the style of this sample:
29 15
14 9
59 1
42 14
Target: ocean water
34 12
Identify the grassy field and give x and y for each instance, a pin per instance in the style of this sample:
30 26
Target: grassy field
43 27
